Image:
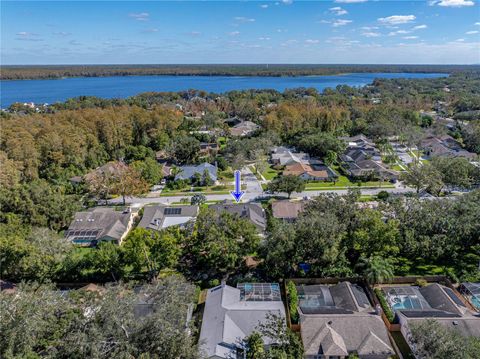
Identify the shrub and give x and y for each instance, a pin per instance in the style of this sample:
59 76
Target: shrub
292 295
421 282
383 302
383 195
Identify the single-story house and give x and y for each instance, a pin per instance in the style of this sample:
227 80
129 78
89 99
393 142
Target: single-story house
285 156
244 128
338 320
100 224
412 304
287 210
251 211
232 314
188 172
369 168
310 172
159 217
444 146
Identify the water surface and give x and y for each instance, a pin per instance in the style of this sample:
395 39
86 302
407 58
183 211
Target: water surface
50 91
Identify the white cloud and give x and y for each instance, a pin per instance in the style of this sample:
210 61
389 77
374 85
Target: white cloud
142 16
311 41
369 28
287 2
27 36
337 10
371 34
194 33
399 32
62 33
397 19
349 1
264 38
410 37
341 22
419 27
264 6
234 33
472 32
460 40
242 19
453 3
477 24
25 33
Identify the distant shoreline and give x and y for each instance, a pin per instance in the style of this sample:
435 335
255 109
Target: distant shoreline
51 72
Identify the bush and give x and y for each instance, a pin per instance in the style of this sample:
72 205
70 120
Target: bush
179 184
383 302
383 195
292 295
421 282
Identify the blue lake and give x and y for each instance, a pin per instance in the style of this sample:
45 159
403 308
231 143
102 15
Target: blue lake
50 91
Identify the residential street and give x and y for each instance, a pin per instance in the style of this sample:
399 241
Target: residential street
254 190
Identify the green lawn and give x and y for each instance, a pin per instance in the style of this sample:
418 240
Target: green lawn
270 173
226 175
210 190
397 167
344 183
222 142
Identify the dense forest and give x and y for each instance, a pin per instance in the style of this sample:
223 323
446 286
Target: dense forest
40 152
12 72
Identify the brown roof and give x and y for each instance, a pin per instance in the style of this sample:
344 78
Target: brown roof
287 209
298 169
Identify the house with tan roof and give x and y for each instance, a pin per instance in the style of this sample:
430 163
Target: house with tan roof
310 172
287 210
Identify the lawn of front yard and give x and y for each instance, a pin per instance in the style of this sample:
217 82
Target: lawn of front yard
220 189
270 173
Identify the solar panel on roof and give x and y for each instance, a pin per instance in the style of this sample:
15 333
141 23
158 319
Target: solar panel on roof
169 210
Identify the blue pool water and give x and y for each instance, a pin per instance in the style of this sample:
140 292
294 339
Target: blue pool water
50 91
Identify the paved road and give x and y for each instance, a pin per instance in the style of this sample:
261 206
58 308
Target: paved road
253 191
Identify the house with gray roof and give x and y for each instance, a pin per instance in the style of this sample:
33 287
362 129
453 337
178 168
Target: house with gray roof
232 314
339 320
188 172
99 224
286 156
244 128
444 146
412 304
251 211
159 217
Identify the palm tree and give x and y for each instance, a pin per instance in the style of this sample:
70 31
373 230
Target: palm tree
376 269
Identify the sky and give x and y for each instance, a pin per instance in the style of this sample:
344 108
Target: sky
197 32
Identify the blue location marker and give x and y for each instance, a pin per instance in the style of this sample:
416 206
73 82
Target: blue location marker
237 194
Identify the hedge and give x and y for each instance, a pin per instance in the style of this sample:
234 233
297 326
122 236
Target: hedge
383 302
